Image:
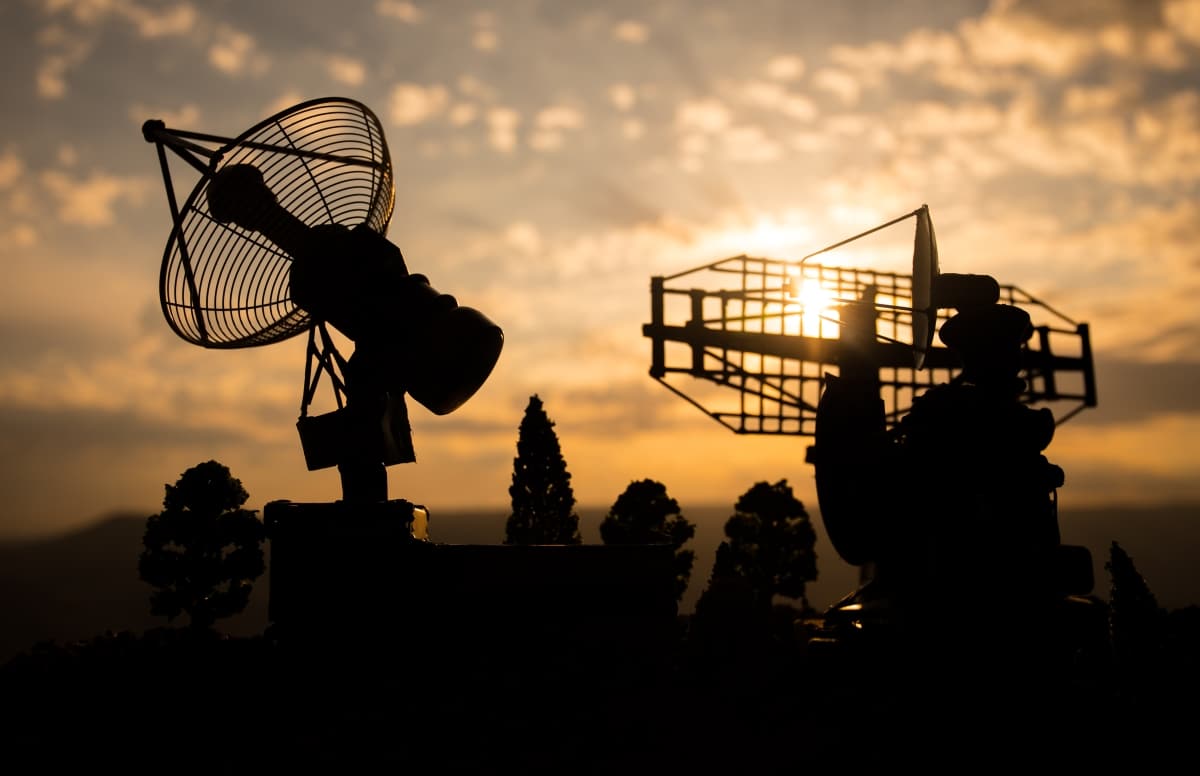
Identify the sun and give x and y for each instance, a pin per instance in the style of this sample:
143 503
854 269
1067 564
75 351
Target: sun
816 308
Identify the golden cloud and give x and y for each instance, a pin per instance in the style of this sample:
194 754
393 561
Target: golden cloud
91 201
412 103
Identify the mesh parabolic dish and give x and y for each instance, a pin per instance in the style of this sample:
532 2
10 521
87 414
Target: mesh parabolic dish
327 162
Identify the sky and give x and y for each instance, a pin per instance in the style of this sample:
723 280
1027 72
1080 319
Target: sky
550 158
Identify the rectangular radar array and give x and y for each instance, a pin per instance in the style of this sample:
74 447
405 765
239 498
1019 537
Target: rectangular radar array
749 341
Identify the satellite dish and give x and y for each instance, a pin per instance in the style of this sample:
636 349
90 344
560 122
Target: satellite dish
924 276
226 287
285 233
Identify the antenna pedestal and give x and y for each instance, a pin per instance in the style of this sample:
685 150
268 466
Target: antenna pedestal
361 587
325 562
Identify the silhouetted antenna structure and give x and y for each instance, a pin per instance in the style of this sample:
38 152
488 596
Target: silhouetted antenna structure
225 286
285 233
749 341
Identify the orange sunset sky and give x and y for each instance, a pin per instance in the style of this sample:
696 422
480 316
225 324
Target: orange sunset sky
550 157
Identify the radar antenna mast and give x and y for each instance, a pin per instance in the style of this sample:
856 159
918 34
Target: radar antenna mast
927 459
283 234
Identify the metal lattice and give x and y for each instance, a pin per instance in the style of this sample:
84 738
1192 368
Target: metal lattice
326 161
754 356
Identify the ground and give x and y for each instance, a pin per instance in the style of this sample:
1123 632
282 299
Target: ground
245 704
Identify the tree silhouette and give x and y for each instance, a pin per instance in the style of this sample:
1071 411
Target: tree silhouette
771 542
543 504
1136 622
727 624
203 552
645 514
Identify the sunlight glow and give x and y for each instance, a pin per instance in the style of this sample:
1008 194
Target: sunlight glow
818 309
786 234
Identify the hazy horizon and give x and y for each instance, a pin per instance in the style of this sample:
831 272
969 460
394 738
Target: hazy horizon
1161 539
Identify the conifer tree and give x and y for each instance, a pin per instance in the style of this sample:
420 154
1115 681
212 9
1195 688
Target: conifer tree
543 504
1135 620
645 514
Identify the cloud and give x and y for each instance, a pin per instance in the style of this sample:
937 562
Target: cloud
413 104
347 70
920 48
841 84
1183 17
30 428
463 113
629 31
559 117
944 118
473 87
502 128
616 204
51 80
622 408
288 99
775 97
1013 43
1160 450
1079 99
524 237
185 116
250 395
400 10
91 201
484 38
18 236
1091 16
549 125
623 96
1106 134
1002 39
785 67
750 144
1133 391
176 20
632 129
150 22
68 50
11 169
708 115
235 53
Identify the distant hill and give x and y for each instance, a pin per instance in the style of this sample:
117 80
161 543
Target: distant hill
84 583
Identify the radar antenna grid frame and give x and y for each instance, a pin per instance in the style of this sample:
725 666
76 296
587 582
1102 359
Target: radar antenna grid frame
224 286
751 339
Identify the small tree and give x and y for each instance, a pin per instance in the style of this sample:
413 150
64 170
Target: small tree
645 514
1136 623
543 504
771 542
729 630
203 552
